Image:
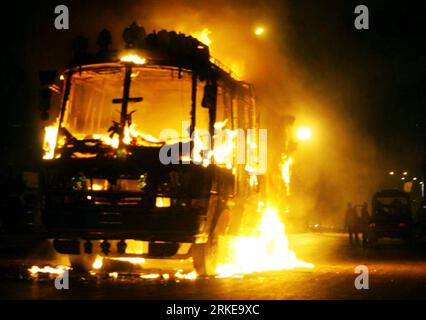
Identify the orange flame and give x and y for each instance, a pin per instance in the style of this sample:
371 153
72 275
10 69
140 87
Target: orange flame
203 36
268 250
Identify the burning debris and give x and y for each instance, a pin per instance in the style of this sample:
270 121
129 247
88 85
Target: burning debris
59 270
267 249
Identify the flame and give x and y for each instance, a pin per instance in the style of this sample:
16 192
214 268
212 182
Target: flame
187 276
99 261
131 136
223 147
286 173
50 138
268 250
150 276
203 36
59 270
132 260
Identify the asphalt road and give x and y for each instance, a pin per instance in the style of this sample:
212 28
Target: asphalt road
396 271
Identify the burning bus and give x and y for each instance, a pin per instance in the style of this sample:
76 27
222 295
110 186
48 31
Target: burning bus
104 181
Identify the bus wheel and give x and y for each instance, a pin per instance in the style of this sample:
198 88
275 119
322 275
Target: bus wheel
205 255
204 259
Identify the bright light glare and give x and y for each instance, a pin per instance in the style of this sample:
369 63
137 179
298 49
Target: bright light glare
162 202
259 31
304 134
97 187
133 58
99 261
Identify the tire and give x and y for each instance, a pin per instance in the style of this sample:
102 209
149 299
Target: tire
205 255
204 259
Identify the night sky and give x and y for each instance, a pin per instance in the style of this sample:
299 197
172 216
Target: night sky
384 67
381 71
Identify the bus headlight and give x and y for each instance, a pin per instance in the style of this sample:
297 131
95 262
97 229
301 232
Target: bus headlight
97 184
163 202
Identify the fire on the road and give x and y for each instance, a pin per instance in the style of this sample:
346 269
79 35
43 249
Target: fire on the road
34 270
264 248
264 251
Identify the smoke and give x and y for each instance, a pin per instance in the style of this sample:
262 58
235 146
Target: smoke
338 165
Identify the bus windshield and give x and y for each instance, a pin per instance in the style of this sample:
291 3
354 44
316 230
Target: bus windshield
90 112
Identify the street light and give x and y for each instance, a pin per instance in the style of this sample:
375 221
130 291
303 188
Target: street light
391 173
303 134
259 31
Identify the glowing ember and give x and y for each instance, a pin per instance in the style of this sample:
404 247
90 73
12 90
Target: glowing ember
268 250
113 142
199 151
224 146
133 136
99 262
34 270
